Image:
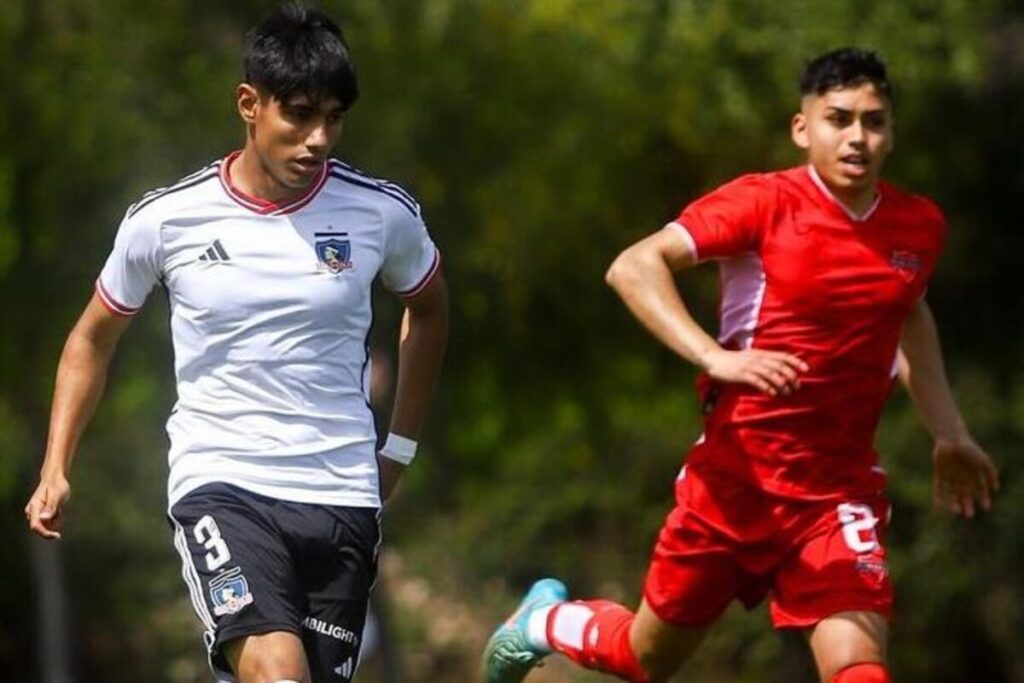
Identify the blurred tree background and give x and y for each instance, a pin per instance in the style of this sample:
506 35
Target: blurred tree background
541 137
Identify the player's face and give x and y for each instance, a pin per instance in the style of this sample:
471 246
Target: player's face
847 133
292 137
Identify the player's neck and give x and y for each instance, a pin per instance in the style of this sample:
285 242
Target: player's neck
248 174
857 202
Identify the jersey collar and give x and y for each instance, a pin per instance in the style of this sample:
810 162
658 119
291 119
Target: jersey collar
816 179
262 206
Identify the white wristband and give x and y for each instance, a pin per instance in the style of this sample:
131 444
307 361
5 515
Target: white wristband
399 449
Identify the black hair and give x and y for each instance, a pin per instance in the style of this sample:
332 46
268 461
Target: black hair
845 67
299 50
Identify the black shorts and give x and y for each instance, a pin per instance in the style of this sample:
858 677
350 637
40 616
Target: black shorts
255 564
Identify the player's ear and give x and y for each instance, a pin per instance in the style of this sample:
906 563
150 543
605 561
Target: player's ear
248 102
798 130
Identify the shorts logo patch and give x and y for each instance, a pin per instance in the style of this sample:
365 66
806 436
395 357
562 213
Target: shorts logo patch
873 568
230 592
334 254
346 670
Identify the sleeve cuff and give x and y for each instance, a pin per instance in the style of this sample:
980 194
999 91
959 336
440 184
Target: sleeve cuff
112 304
682 231
435 266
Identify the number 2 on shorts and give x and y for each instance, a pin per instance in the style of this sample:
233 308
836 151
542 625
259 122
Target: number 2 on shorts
207 533
858 527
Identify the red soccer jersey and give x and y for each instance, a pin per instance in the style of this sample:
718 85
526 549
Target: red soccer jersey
801 274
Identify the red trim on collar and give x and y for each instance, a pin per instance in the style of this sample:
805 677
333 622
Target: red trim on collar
263 206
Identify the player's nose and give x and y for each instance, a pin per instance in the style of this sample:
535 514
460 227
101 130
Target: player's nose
857 133
318 138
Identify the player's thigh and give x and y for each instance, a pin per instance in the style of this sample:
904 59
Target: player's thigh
838 564
236 565
692 578
698 566
662 647
338 574
835 584
847 638
268 658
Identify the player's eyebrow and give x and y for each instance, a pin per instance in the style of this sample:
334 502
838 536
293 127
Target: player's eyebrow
845 110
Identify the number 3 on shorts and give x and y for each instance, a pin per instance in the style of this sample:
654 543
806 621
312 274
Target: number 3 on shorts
858 527
207 533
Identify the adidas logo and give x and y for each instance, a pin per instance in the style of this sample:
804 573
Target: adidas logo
215 253
346 669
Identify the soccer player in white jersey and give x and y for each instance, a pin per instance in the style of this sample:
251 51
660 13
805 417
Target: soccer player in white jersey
268 257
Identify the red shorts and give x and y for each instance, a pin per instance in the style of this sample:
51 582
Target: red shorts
727 539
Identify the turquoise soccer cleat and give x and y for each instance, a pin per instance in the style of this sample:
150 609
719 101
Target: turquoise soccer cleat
509 655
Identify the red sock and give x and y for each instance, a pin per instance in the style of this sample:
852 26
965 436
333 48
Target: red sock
595 634
867 672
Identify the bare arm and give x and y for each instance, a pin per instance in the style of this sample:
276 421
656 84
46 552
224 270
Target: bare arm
964 473
642 275
424 337
81 377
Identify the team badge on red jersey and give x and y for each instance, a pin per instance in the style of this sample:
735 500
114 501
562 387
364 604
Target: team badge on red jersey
334 254
906 263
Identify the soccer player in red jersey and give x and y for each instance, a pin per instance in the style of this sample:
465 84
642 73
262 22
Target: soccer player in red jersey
824 269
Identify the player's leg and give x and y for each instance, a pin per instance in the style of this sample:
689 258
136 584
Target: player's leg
660 646
601 635
597 634
338 569
275 657
849 647
242 582
692 578
836 588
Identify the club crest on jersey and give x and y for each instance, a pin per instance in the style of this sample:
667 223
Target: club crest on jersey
906 263
230 592
334 254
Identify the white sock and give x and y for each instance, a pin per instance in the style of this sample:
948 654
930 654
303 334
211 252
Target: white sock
570 623
537 628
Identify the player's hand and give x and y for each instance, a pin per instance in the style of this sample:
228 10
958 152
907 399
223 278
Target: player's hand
964 476
44 508
773 372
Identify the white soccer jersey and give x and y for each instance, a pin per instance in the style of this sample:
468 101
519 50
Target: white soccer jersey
270 312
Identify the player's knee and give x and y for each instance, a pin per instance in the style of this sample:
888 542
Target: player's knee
276 678
258 678
660 648
272 669
659 675
862 672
